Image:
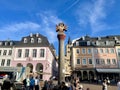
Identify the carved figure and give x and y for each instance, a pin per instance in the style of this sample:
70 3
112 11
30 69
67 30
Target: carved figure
61 27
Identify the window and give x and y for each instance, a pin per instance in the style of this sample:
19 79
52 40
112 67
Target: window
1 43
106 50
32 40
0 52
97 61
4 52
11 43
34 52
6 43
39 40
96 51
77 51
77 43
84 61
19 53
78 61
113 61
112 50
89 51
83 51
10 52
25 40
3 62
102 61
90 61
101 50
8 62
108 61
26 52
42 52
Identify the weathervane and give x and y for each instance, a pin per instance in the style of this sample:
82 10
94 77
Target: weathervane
61 27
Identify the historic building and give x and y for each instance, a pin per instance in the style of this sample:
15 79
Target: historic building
82 59
6 52
95 58
68 69
33 51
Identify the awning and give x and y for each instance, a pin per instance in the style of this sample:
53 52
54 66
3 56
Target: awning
108 70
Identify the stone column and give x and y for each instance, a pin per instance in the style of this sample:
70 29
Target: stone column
61 60
60 28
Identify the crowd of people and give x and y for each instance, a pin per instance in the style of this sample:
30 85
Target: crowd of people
33 83
74 85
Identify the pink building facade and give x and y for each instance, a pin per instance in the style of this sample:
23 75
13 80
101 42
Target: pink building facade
35 52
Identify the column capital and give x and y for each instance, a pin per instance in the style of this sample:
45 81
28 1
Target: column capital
61 36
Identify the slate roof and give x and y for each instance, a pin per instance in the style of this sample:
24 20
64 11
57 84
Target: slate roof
83 41
44 41
8 43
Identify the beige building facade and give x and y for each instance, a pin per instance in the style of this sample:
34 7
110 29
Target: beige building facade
95 58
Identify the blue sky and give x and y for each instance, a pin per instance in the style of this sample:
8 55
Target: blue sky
19 18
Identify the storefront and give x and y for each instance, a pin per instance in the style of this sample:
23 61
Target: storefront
111 74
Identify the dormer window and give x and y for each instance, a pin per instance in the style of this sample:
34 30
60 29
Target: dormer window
39 40
83 38
107 42
31 35
25 40
1 43
32 40
6 43
97 42
11 43
99 38
77 43
116 38
37 34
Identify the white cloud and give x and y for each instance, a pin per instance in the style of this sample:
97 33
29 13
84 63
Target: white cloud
48 23
16 27
93 14
46 26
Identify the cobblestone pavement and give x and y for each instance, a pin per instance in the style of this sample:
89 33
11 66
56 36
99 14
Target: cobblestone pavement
97 87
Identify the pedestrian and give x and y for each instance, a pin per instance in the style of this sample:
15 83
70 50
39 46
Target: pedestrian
51 86
24 83
104 85
108 81
63 86
79 86
37 83
6 83
45 85
27 83
118 84
32 83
